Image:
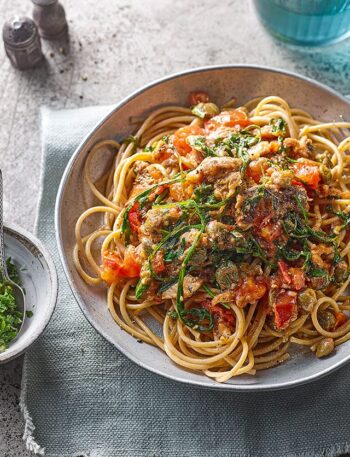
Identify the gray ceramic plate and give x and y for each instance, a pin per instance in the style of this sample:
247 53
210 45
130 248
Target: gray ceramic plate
39 280
222 83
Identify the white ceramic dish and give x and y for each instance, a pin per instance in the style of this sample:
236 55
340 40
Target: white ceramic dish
222 83
39 280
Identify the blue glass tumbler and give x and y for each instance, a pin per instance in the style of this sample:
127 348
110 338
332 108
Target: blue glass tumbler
306 22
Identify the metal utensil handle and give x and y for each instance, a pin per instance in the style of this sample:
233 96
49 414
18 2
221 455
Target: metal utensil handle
2 247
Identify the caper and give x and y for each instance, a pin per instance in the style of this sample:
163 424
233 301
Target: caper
327 320
203 110
341 272
319 282
310 146
307 299
326 174
324 347
227 275
325 159
211 109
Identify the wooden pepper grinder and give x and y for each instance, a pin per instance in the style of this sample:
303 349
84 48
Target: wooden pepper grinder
50 18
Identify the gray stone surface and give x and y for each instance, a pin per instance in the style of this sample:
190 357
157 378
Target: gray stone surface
115 47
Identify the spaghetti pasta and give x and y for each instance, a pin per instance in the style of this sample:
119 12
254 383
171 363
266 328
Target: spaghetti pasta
230 229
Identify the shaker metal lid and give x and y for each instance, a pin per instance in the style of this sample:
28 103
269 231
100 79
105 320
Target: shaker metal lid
43 2
19 30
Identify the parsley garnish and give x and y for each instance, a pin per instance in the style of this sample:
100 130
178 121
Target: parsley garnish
132 140
238 144
141 198
297 227
199 143
197 318
278 126
140 289
344 217
10 318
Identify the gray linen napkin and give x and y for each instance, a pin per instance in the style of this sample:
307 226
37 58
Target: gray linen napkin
81 397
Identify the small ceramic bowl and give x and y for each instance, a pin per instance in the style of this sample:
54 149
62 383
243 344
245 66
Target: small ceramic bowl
39 280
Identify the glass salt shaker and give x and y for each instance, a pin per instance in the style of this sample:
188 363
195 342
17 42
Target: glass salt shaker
22 42
50 17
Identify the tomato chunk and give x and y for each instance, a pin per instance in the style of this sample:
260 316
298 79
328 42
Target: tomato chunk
257 168
181 135
250 290
228 119
283 268
307 172
115 267
158 264
285 308
134 217
219 312
297 278
292 276
340 319
180 191
270 232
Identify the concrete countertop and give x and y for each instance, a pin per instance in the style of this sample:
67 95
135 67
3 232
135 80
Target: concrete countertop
115 47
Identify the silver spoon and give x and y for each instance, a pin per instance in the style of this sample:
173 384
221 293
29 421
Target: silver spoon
17 290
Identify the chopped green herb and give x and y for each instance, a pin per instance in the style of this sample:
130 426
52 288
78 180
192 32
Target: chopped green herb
125 226
278 126
319 273
161 197
237 145
173 254
149 148
291 254
208 291
168 241
344 217
203 194
337 258
199 143
140 289
251 202
197 318
132 140
295 227
12 271
10 318
167 284
172 314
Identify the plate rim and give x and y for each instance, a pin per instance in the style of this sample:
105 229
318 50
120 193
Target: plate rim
13 230
76 294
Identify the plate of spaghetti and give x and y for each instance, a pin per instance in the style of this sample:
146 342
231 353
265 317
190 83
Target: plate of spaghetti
212 224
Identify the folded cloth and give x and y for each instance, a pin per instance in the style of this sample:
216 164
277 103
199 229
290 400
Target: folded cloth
81 397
